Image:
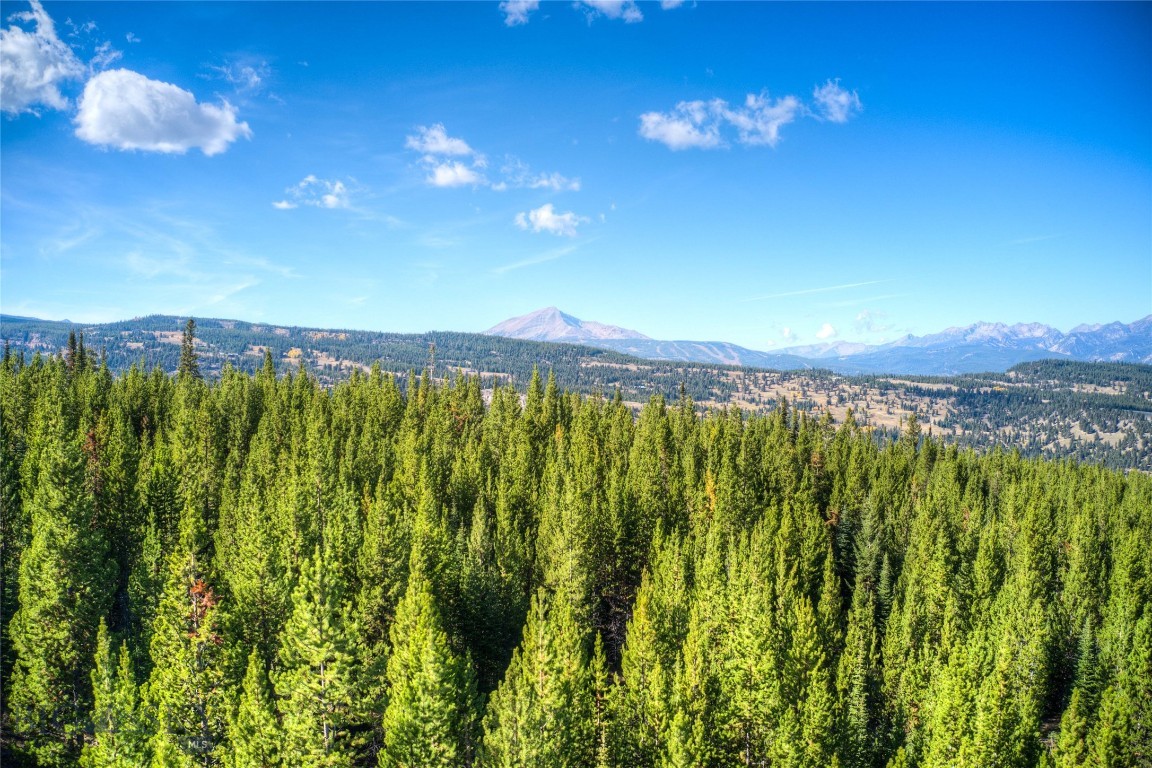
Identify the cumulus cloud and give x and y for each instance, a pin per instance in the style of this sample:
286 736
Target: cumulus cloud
126 110
703 124
439 151
614 9
826 332
516 12
835 104
316 192
545 219
692 124
452 162
697 124
34 64
453 174
434 140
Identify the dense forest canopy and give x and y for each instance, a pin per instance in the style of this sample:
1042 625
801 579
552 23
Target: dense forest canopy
256 570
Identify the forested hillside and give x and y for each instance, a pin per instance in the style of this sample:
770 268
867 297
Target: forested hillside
257 570
1098 412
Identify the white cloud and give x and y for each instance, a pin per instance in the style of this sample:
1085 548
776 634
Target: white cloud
126 110
668 5
614 9
786 334
826 332
700 124
454 174
868 321
518 174
835 104
33 64
760 119
516 12
437 147
545 219
434 140
105 56
316 192
246 78
692 124
131 38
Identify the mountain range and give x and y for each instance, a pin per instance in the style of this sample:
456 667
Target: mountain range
975 348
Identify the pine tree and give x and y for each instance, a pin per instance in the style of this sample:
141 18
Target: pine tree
65 584
431 715
317 680
186 688
543 713
254 734
189 360
119 738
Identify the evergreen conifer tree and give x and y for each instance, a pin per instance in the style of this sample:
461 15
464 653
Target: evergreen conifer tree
119 737
431 715
317 678
254 734
65 585
543 713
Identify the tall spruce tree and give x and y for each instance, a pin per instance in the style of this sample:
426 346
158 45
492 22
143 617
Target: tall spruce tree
431 716
186 690
254 735
317 678
189 360
66 581
543 713
119 737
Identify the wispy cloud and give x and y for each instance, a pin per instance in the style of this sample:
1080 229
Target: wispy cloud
809 291
703 124
547 256
626 10
835 104
516 12
318 193
450 161
247 76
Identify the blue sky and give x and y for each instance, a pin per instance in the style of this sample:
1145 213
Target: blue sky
766 174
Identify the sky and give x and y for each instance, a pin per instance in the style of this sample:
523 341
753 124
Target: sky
768 174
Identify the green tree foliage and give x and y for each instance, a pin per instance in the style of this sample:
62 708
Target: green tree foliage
186 690
423 572
119 737
189 361
317 680
66 580
543 712
431 715
254 732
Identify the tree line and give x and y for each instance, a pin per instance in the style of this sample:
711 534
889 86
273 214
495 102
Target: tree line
256 570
